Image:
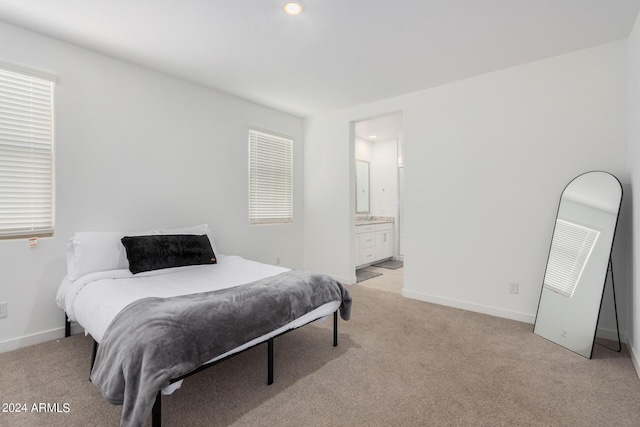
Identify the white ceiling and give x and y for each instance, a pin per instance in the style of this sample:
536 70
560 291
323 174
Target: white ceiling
337 53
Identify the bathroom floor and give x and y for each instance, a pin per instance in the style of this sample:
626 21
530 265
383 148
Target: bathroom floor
389 280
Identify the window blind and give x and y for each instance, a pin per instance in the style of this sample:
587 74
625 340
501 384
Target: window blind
270 178
26 154
571 247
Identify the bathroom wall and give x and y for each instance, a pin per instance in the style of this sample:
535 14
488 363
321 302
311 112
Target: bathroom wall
383 172
384 178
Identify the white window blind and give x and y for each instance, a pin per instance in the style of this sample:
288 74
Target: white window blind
26 154
270 178
571 247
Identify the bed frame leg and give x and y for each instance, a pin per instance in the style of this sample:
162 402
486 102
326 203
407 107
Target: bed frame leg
270 361
335 328
67 326
93 357
156 412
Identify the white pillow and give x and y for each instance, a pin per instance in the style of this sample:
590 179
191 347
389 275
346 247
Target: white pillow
88 252
92 251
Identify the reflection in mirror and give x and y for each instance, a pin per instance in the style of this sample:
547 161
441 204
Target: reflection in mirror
362 187
578 261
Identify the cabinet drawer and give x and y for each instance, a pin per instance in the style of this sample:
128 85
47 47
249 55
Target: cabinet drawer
367 240
367 255
384 226
365 228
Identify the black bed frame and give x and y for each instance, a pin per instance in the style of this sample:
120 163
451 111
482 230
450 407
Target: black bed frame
156 412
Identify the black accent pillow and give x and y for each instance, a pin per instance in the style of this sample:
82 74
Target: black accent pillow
146 253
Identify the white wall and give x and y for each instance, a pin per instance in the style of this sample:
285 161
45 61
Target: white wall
485 162
383 173
136 150
633 299
384 178
329 188
363 149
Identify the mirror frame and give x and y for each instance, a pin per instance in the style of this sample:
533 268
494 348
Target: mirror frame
543 330
359 209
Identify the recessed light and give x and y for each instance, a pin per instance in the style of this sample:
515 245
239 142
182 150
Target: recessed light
292 9
372 137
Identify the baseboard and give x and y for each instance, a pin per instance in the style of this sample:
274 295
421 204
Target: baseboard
634 358
465 305
40 337
611 334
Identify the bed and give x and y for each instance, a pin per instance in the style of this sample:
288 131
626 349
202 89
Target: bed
155 327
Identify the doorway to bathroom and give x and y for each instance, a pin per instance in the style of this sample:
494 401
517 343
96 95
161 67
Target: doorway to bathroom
378 254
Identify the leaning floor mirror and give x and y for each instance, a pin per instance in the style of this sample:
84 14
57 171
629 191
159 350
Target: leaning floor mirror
579 261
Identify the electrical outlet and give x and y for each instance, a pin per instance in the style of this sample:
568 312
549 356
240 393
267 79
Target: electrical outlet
277 260
563 333
513 287
3 309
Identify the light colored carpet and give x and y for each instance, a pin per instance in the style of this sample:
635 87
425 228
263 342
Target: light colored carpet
399 362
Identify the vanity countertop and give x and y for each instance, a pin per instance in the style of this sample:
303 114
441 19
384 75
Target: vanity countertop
374 220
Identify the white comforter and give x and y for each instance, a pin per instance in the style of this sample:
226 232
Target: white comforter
95 299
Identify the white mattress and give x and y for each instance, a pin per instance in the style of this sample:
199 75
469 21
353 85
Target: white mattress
95 299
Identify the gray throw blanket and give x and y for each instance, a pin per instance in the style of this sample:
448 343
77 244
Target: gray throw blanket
154 340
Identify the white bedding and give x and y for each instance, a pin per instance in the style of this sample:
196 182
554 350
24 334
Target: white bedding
95 299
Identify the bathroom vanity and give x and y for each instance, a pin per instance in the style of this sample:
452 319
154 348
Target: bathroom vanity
374 240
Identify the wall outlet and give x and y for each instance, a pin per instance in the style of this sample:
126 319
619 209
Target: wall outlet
3 309
277 260
563 333
513 287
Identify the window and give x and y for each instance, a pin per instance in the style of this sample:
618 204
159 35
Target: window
26 154
571 248
270 178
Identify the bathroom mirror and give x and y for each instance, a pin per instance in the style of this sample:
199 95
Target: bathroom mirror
578 261
362 187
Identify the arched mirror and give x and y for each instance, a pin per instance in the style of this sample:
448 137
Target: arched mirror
579 260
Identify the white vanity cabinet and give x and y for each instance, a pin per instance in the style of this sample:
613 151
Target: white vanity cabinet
384 241
374 242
